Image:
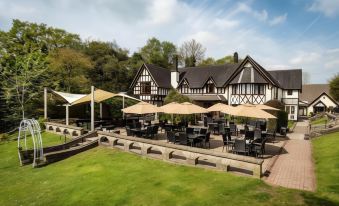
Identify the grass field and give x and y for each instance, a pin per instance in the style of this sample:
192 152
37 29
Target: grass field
320 121
103 176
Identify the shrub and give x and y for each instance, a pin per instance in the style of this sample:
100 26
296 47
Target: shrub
4 137
282 119
42 121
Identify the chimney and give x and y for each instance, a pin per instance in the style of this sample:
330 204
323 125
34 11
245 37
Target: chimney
235 57
175 73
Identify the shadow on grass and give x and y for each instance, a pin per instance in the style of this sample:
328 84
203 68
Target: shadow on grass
313 200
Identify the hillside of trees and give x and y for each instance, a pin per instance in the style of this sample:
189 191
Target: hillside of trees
33 56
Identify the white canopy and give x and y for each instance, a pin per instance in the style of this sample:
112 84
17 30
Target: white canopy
68 97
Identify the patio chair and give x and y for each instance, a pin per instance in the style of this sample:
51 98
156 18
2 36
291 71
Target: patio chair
257 134
233 130
189 130
206 140
221 128
171 137
167 128
128 131
210 127
227 142
240 147
148 132
203 131
155 130
270 135
249 135
183 139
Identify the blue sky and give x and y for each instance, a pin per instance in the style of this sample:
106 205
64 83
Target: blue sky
278 34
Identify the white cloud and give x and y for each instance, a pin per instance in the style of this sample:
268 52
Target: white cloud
278 20
329 8
221 29
305 58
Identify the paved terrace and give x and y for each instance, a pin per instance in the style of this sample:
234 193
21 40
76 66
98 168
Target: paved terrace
294 168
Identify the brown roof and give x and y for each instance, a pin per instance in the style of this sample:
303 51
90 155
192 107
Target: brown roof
288 79
312 91
197 76
162 76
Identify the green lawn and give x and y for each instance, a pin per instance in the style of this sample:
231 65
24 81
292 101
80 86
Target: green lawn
103 176
320 121
290 123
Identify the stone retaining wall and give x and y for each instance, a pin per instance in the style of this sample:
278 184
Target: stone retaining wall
62 129
183 154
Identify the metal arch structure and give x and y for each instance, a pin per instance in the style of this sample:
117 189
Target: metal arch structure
30 127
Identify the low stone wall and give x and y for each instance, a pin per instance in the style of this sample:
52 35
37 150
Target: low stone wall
183 154
62 129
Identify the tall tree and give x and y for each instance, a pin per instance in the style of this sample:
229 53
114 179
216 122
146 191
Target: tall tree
68 68
159 53
192 53
334 87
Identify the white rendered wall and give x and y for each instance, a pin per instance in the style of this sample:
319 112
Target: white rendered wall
324 99
174 79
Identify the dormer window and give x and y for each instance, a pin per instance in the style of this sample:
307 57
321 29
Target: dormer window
210 88
289 92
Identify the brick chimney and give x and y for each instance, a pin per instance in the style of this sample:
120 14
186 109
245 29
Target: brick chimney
235 57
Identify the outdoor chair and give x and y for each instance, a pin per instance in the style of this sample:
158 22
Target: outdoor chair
233 130
240 147
183 139
171 137
249 135
227 142
257 134
203 131
221 128
167 128
270 135
258 147
148 132
206 140
128 131
155 129
189 130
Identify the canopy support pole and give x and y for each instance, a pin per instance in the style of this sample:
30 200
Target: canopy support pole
100 111
67 114
92 108
123 106
45 102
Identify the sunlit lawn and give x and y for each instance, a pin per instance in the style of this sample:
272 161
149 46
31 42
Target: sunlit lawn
104 176
320 121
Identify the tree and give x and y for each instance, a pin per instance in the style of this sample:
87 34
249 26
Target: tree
68 68
159 53
334 87
23 63
191 53
208 61
175 96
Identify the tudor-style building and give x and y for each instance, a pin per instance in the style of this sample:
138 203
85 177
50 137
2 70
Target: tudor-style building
315 98
232 83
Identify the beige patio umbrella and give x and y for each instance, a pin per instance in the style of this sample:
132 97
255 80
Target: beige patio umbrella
183 108
142 108
219 107
247 110
265 107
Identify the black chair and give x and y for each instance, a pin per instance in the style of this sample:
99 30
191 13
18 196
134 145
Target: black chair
128 131
249 135
259 147
257 134
171 137
240 147
227 141
167 128
203 131
155 130
148 133
206 140
189 130
233 130
270 135
221 129
183 139
210 127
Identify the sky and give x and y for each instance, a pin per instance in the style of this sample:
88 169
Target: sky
277 34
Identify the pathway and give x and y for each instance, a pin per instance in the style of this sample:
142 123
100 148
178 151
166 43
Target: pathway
294 167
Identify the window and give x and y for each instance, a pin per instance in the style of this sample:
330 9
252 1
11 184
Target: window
234 89
292 109
184 88
261 89
289 92
210 88
145 87
243 88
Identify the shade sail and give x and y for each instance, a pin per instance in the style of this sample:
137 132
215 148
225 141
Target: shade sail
183 108
68 97
127 96
141 108
220 107
247 110
99 96
265 107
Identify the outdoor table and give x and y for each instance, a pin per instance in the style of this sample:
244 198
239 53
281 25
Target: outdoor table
137 131
108 127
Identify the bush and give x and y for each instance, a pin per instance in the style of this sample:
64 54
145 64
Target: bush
42 121
282 119
4 137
